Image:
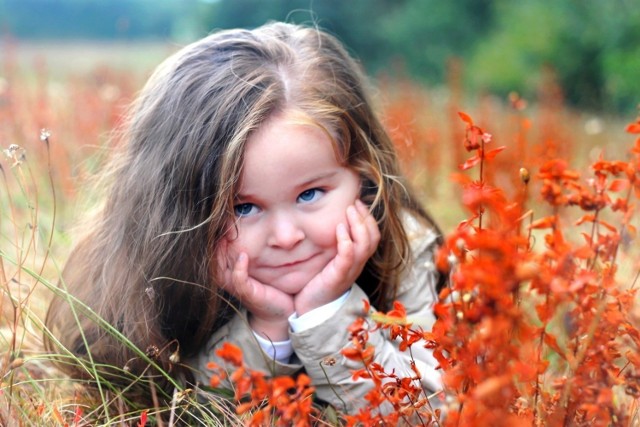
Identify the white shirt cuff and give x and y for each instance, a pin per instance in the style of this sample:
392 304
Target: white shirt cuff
281 351
317 315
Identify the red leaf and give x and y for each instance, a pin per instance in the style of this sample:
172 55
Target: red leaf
352 353
550 340
618 185
546 222
461 179
610 226
78 415
368 354
631 128
586 218
143 419
470 163
466 118
492 153
230 353
492 386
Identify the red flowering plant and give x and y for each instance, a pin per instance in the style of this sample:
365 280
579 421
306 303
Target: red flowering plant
526 333
394 399
540 336
279 401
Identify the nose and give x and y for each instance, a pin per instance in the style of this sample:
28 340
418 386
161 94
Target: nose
285 232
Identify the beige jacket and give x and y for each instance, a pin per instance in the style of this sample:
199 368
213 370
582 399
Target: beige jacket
318 349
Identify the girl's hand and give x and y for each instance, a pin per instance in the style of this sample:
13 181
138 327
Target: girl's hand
268 307
356 244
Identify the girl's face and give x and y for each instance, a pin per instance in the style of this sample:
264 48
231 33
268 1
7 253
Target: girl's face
293 193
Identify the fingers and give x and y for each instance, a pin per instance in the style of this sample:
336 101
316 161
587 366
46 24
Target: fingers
363 229
370 222
346 251
234 273
357 241
243 288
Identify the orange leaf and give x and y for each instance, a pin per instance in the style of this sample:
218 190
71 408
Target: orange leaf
491 386
586 218
244 407
470 163
368 354
618 185
544 312
631 128
461 179
492 153
351 353
143 419
546 222
230 353
551 341
611 227
466 118
215 381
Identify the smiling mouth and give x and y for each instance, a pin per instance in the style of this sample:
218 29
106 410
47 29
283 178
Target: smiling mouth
293 263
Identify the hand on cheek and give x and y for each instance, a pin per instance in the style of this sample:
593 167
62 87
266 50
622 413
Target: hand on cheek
356 242
268 307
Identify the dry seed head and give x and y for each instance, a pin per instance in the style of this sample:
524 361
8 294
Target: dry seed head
15 153
180 395
329 361
16 363
152 351
44 135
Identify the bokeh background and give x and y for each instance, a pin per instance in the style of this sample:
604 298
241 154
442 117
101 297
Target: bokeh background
593 46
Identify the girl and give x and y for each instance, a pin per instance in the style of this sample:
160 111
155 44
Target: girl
255 198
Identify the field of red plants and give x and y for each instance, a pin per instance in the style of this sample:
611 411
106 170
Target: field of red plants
538 325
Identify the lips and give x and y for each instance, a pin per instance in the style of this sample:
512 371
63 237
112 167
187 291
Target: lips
291 263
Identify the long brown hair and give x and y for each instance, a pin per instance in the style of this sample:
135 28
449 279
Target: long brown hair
146 263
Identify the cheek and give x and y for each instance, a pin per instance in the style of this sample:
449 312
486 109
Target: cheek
239 240
324 228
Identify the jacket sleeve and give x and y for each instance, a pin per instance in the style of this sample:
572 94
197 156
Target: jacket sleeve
319 348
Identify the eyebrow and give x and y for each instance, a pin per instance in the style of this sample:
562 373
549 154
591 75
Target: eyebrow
306 183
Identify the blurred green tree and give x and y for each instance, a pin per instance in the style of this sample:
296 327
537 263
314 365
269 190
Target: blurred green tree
409 36
591 45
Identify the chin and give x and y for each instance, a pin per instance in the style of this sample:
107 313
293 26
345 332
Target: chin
290 283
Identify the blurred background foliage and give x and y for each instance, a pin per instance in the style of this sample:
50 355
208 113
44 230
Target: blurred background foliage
592 47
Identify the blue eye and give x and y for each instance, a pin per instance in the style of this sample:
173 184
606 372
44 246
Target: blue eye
244 209
310 195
